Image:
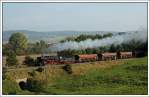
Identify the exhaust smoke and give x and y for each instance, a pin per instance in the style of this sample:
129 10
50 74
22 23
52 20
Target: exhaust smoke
140 35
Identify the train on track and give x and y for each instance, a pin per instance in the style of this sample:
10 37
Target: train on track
54 60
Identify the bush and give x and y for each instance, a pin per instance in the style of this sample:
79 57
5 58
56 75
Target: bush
68 69
35 85
29 61
40 69
11 59
10 87
22 85
4 70
32 73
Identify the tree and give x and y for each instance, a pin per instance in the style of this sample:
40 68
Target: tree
11 59
81 38
18 41
112 48
39 47
107 35
43 45
89 51
6 47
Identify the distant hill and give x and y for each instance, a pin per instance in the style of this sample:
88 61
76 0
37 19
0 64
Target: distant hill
51 36
35 36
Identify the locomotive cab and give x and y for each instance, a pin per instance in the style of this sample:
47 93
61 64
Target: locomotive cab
76 58
40 61
100 56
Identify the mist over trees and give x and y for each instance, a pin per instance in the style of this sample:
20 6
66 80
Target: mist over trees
137 42
21 47
84 44
130 46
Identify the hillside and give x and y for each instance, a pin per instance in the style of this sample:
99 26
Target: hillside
121 77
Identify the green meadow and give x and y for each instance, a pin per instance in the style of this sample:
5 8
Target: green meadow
121 77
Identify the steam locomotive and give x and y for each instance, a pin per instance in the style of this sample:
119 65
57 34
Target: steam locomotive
43 60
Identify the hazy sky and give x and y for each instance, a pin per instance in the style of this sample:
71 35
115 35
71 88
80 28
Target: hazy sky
74 16
75 0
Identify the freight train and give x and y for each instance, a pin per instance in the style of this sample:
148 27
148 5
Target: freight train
43 60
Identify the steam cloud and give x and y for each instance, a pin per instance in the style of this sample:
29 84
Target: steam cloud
140 35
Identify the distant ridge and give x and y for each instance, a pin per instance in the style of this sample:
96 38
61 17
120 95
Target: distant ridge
50 36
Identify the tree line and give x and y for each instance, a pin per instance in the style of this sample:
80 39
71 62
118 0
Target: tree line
132 45
83 37
18 45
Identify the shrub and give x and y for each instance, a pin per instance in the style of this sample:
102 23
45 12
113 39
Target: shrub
68 69
29 61
22 85
40 69
32 73
35 85
10 87
11 59
4 70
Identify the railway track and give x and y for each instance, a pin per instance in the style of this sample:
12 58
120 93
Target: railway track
58 65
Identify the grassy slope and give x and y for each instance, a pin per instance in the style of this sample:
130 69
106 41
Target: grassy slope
111 77
130 78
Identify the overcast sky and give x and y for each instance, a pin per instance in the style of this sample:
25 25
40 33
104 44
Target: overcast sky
74 16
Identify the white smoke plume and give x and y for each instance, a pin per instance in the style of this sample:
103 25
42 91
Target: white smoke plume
140 35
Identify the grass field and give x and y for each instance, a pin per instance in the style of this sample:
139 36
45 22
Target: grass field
121 77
